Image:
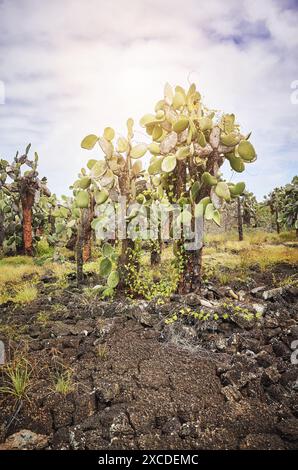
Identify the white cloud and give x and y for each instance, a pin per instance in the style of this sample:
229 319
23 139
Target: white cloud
74 67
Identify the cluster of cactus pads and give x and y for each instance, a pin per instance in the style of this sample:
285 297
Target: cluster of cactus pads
188 146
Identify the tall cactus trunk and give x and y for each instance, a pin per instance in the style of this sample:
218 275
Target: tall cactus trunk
80 245
239 219
27 200
127 247
180 173
87 249
88 232
246 218
127 244
190 262
192 279
127 261
155 256
79 255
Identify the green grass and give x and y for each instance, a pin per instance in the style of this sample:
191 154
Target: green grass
17 376
102 351
251 237
24 294
44 249
151 282
42 318
224 258
229 260
13 331
17 261
19 274
63 382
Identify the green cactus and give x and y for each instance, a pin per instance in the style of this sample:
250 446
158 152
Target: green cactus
237 189
246 151
24 193
117 174
192 148
82 200
208 179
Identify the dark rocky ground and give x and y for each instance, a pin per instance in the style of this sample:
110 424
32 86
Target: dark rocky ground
139 383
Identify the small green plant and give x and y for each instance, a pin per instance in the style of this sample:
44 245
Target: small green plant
291 280
17 376
59 308
61 283
64 382
188 312
89 293
13 331
42 318
43 248
102 351
26 294
224 278
150 283
227 310
22 294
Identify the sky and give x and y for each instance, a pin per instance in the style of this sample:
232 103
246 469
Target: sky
73 67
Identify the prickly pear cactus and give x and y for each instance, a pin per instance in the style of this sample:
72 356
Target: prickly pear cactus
116 174
188 138
289 214
189 145
21 186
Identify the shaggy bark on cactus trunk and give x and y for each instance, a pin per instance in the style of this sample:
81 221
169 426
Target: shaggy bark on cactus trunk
88 232
71 244
87 249
80 245
183 283
239 219
246 217
127 248
27 200
51 222
194 266
124 186
191 261
79 255
127 244
155 256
